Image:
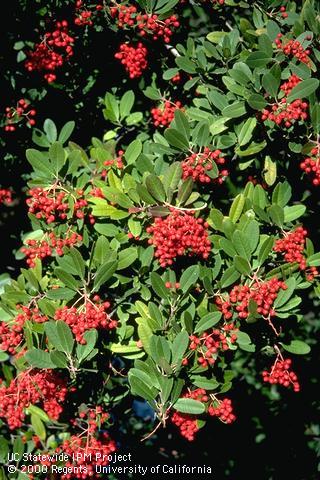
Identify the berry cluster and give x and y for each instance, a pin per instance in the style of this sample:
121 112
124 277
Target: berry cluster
284 112
199 165
134 59
164 114
282 374
293 245
179 233
211 343
311 166
43 387
117 162
95 447
188 424
83 16
46 248
172 285
293 48
263 294
5 196
283 12
88 316
223 410
292 82
146 24
11 333
52 204
51 53
21 111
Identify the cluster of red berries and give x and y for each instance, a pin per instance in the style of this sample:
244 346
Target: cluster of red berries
282 374
292 82
293 245
284 112
176 78
11 333
129 17
21 111
223 410
46 248
180 233
52 204
52 52
95 447
43 387
198 165
188 424
283 12
5 196
172 285
134 59
211 343
311 273
311 166
164 114
263 294
93 314
117 162
83 16
293 48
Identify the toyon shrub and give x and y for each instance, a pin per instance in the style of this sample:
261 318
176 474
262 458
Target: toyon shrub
174 248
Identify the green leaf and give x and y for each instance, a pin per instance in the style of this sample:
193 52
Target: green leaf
271 84
276 214
127 257
314 260
245 133
297 347
83 351
242 265
78 262
65 336
303 89
155 188
265 249
33 409
235 110
257 101
185 191
258 59
50 130
237 208
284 295
57 157
205 383
241 244
38 426
126 103
39 359
67 278
179 347
229 277
293 212
38 161
176 139
189 278
141 388
158 285
103 274
270 170
59 359
66 132
185 64
188 405
172 177
207 321
181 123
133 151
